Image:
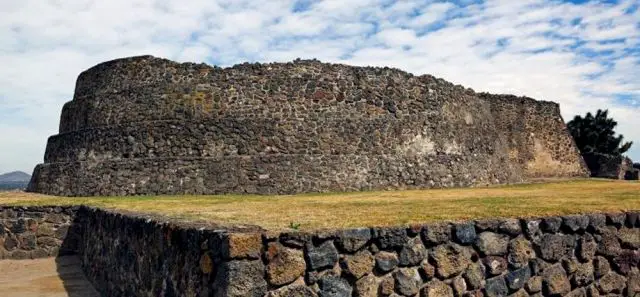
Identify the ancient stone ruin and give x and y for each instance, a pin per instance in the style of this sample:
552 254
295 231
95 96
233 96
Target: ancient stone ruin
145 125
610 166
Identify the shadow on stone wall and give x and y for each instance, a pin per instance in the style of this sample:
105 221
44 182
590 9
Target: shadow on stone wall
69 262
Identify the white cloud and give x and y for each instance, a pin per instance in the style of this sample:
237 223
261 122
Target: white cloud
397 37
500 46
431 14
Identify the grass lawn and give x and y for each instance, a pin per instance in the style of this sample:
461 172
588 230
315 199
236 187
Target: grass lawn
381 208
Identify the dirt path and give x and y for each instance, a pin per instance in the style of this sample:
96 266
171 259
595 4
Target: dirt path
51 277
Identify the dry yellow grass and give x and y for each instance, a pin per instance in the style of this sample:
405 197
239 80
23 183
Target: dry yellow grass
381 208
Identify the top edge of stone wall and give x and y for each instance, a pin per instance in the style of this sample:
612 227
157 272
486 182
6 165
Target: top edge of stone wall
502 224
141 216
514 224
146 88
517 99
101 69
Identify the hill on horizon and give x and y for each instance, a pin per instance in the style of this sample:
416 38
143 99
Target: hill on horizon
15 176
15 180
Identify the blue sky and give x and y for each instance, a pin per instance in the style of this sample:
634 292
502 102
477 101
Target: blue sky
584 55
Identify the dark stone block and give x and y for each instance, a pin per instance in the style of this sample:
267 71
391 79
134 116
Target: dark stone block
633 219
412 253
488 224
436 233
575 223
496 287
538 266
555 281
626 261
242 278
295 239
586 248
407 281
616 219
551 224
597 220
554 247
391 238
19 226
608 243
518 278
323 256
465 233
386 261
352 240
331 286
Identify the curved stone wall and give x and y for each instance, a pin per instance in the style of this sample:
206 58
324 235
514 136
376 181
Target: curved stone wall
536 135
328 127
267 174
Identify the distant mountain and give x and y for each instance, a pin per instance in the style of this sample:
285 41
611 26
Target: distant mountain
16 180
15 176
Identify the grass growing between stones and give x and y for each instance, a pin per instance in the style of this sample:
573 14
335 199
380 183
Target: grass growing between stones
379 208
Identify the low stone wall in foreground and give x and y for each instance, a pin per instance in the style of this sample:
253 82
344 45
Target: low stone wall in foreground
580 255
137 256
37 232
131 255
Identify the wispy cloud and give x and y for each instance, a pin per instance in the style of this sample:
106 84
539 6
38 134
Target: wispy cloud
584 56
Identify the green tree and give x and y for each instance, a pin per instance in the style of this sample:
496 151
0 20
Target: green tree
596 135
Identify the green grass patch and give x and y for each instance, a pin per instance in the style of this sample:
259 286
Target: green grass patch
375 208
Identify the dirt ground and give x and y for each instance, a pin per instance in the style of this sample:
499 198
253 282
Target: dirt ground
50 277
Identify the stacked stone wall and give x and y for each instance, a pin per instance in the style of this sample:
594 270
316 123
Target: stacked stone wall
538 141
575 255
130 114
268 174
133 255
38 232
129 255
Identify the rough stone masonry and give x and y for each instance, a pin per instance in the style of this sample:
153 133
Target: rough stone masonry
126 254
145 125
